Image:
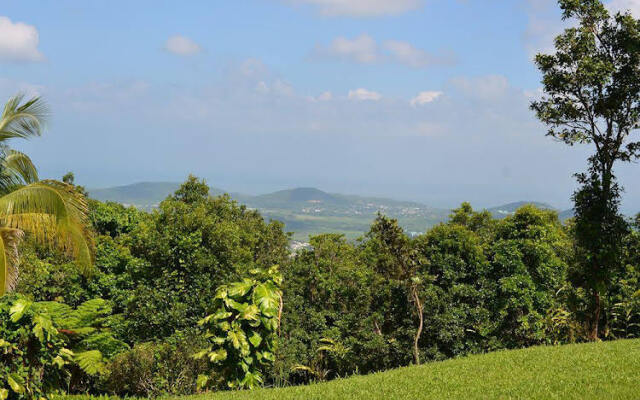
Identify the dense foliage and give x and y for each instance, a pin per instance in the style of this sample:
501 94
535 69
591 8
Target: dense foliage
241 332
471 285
47 346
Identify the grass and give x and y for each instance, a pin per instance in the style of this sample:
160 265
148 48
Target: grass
608 370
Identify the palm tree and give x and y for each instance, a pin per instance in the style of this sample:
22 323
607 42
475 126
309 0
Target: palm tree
53 212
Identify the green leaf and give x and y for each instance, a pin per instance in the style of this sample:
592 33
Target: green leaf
221 293
239 289
267 296
255 339
90 362
42 325
250 313
237 338
199 355
202 381
18 309
222 314
4 393
224 326
218 355
12 381
235 305
218 340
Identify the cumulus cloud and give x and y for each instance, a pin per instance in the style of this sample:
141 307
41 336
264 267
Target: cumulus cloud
425 97
360 8
364 94
364 49
405 53
19 42
182 46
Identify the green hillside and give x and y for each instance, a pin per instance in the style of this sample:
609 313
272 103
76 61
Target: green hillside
304 211
606 370
310 211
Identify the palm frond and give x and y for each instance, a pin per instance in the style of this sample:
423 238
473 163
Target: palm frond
55 214
16 169
23 119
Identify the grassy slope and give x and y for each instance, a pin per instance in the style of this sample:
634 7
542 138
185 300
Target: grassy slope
608 370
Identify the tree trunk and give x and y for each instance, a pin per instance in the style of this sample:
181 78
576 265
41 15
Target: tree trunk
593 335
416 300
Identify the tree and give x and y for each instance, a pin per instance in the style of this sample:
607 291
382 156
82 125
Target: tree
395 260
592 95
53 212
191 245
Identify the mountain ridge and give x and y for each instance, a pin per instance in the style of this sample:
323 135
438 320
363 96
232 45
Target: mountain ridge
309 210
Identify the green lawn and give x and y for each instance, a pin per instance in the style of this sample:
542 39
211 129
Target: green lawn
608 370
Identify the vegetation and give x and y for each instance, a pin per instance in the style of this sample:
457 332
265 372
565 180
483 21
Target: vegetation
592 95
49 210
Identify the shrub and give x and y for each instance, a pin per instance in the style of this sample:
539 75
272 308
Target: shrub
47 347
154 369
242 330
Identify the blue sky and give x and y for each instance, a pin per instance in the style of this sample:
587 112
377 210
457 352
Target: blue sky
412 99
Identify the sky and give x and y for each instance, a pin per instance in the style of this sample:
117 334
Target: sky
423 100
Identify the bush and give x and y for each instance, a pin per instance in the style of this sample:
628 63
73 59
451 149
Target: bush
241 332
154 369
49 347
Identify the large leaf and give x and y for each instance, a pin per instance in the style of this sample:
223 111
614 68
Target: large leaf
90 362
239 289
236 305
267 296
237 338
55 214
250 313
18 309
218 356
255 339
14 382
43 328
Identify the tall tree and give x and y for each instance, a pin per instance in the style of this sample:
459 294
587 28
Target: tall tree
592 95
397 260
52 211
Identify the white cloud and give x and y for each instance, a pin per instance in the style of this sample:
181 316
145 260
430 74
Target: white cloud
405 53
425 97
364 94
182 46
361 8
19 42
364 49
625 5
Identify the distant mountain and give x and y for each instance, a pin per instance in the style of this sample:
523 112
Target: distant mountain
509 209
143 195
296 196
308 211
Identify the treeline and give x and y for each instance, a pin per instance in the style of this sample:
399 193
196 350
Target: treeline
472 285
